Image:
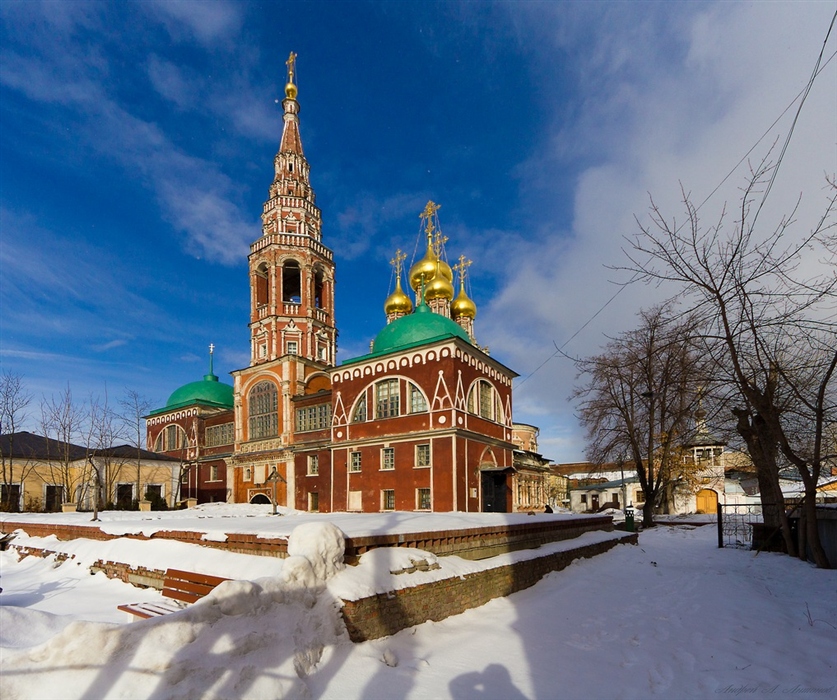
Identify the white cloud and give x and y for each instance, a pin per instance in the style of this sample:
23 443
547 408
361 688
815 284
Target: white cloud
209 23
679 97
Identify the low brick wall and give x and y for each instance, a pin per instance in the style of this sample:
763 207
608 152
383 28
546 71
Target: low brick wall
385 614
473 543
242 543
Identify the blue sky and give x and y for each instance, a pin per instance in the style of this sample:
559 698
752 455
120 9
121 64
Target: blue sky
137 142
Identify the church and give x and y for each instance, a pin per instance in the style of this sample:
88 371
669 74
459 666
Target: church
422 422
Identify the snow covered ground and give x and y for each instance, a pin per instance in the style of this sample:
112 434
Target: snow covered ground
674 617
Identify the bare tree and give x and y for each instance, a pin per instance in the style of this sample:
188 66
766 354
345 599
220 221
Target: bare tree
639 396
14 406
135 407
104 430
62 420
769 328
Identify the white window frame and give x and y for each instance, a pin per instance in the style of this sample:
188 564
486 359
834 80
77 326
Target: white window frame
387 459
355 463
313 465
385 495
429 460
429 498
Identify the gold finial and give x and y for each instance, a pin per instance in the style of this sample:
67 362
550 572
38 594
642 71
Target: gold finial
438 242
462 267
429 214
397 261
291 64
290 87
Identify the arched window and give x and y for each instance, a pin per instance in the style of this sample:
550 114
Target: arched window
170 438
359 416
319 302
291 282
418 404
264 410
262 285
484 401
387 398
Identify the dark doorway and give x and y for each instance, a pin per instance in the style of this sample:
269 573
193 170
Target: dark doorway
595 499
494 492
124 496
54 497
260 498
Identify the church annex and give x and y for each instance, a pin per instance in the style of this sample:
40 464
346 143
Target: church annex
423 422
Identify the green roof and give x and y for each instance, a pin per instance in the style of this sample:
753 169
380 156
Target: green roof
417 328
209 391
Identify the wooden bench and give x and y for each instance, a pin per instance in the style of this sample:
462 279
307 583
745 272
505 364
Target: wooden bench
179 588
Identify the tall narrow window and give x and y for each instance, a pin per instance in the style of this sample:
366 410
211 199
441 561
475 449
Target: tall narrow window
291 282
354 462
313 465
418 404
264 410
388 499
486 400
422 455
318 289
388 458
387 398
359 416
262 289
423 499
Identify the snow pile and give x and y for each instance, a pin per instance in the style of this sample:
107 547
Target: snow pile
257 638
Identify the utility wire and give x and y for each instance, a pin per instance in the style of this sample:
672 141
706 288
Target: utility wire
803 94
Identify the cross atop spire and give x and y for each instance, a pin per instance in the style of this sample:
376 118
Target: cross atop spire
397 262
462 266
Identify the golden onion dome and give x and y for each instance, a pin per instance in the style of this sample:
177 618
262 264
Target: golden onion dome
424 269
398 302
463 305
290 91
439 287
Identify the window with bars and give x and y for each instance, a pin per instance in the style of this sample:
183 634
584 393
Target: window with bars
354 461
313 465
387 398
388 499
418 404
313 417
217 435
264 410
423 499
422 455
388 458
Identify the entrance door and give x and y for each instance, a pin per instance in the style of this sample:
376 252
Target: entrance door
494 492
595 501
53 498
707 501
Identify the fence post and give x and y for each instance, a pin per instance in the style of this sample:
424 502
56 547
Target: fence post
720 526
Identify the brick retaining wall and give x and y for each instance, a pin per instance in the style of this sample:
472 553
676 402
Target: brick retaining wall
387 613
472 543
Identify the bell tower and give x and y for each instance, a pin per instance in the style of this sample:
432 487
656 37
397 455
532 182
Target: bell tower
291 271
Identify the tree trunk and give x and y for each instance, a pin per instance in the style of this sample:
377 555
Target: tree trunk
812 535
763 451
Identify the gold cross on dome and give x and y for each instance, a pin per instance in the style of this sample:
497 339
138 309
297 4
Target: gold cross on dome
397 261
438 242
428 215
462 266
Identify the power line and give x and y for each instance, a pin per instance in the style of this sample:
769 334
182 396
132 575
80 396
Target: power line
803 94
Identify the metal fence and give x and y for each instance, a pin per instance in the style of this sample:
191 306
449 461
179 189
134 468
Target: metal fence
735 524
